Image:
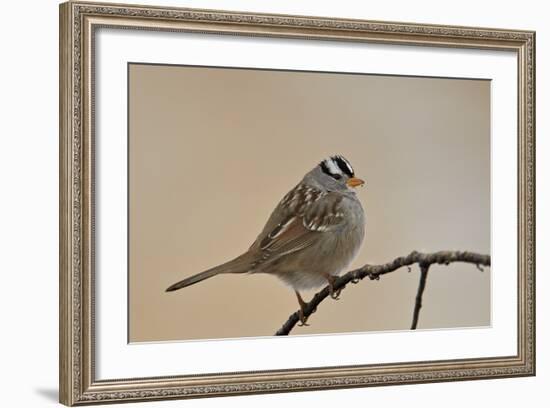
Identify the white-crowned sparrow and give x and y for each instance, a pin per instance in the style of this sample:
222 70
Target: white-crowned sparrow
310 238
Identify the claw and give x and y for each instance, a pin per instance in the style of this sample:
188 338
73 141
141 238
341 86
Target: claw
303 318
333 294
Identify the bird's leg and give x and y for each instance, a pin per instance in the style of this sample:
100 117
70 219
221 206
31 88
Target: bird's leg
333 294
303 318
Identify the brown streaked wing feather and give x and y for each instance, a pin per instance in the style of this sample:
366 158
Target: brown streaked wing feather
286 234
298 232
294 203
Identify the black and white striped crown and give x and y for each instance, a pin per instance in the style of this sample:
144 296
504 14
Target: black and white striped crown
336 166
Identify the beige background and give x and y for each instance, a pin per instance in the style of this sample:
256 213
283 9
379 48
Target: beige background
212 151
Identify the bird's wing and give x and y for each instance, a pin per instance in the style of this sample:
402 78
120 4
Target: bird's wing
301 229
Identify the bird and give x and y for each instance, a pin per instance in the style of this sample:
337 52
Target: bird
311 237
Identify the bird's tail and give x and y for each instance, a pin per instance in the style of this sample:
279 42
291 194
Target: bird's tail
241 264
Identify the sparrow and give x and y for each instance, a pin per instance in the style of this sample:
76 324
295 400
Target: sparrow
310 238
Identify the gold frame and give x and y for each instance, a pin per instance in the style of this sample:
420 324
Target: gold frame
76 337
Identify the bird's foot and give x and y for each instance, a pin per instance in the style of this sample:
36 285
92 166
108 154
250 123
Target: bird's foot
334 294
301 314
303 319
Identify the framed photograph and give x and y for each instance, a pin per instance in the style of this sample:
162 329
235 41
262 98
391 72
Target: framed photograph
256 203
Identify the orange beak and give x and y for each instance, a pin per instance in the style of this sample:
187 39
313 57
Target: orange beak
355 182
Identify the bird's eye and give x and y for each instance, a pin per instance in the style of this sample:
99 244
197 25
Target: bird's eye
337 176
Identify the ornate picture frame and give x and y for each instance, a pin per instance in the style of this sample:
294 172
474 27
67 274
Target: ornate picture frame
79 22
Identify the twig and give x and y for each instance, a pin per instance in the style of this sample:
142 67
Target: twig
375 271
421 286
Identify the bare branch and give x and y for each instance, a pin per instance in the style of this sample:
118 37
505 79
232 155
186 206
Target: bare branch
421 286
374 272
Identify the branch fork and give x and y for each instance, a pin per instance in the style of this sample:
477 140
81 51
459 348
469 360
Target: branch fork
374 272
